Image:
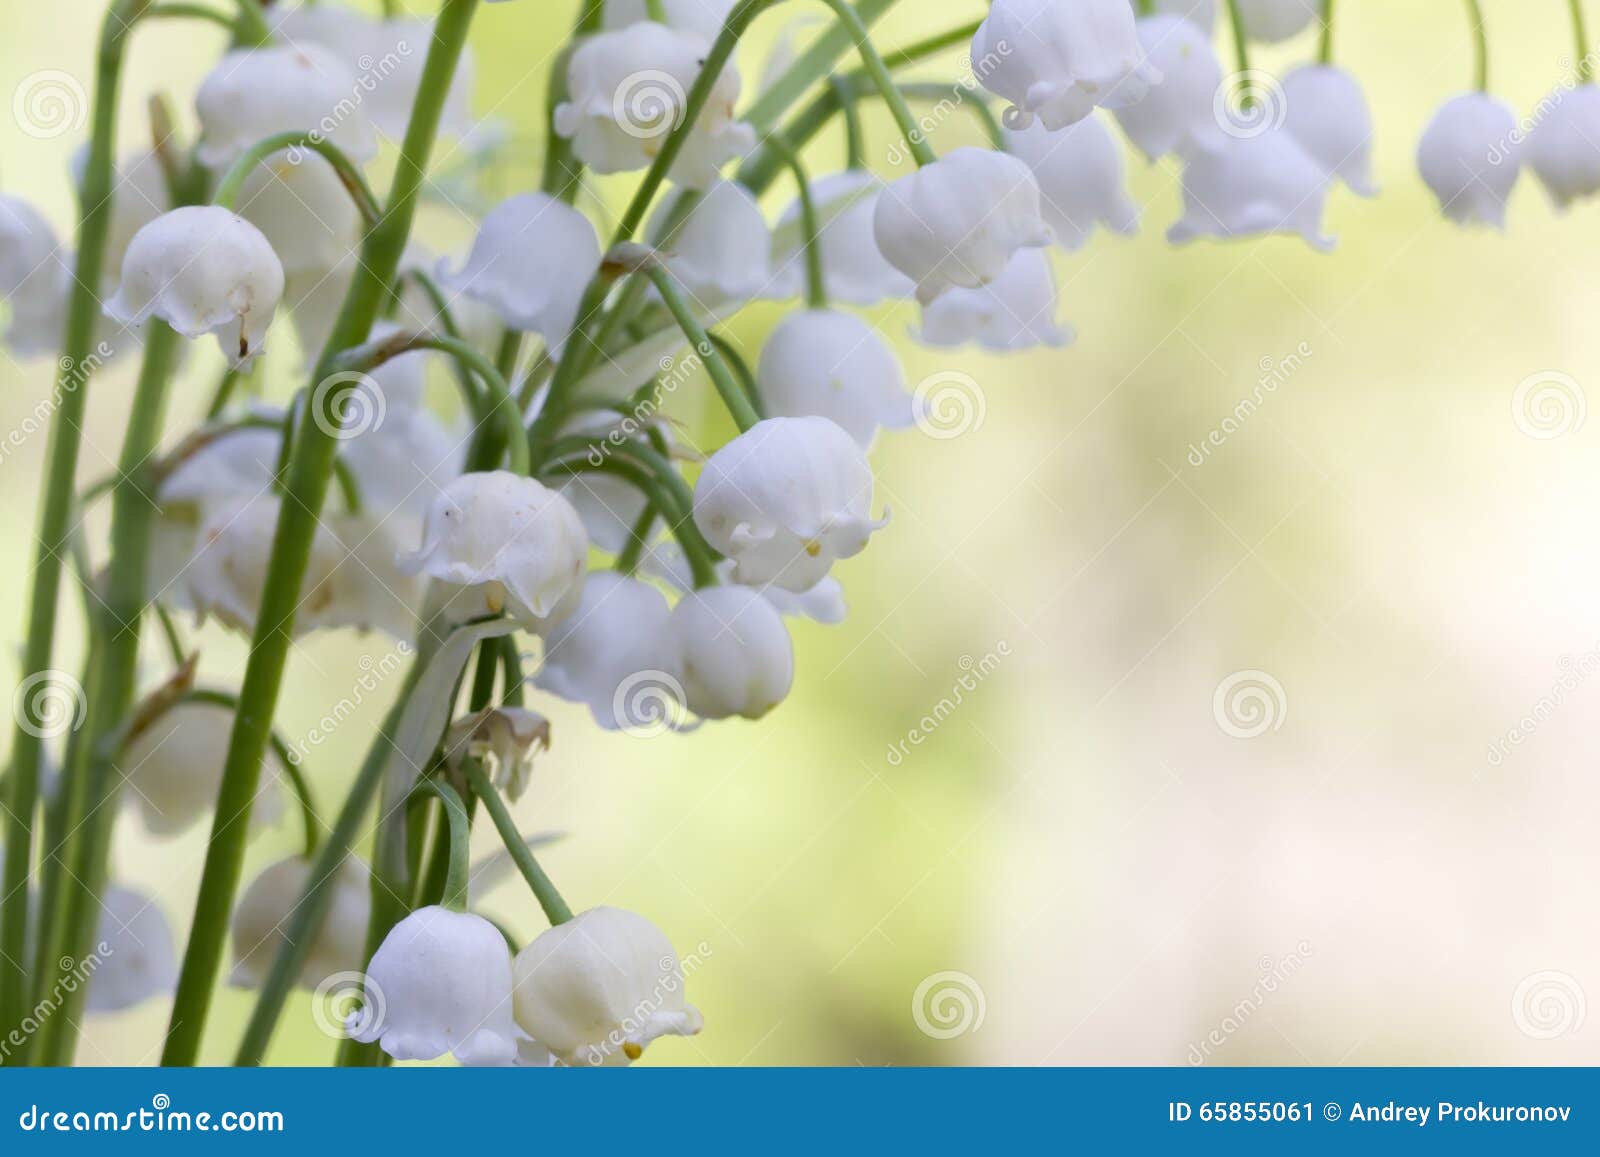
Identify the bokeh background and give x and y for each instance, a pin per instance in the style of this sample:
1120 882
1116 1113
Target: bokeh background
1084 862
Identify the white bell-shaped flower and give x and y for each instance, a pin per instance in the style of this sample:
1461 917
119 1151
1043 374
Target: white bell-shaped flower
31 272
501 542
233 550
303 210
1080 173
254 93
823 603
261 921
173 768
1252 186
1326 112
786 499
830 364
855 270
629 88
531 261
139 194
1563 149
705 17
401 462
202 269
1015 311
138 961
1273 20
506 739
599 988
616 641
722 250
1178 115
439 983
1469 157
1057 61
957 221
608 507
1201 13
735 652
386 58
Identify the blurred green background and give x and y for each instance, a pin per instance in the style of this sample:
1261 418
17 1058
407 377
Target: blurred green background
1112 873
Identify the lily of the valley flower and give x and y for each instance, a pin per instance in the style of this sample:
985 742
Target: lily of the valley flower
786 499
261 920
957 221
139 961
501 542
1273 20
854 270
30 274
253 93
1564 147
1057 61
1253 186
736 655
619 631
507 738
1015 311
174 766
599 988
721 251
823 603
1326 112
1177 115
830 364
303 210
1468 157
705 17
202 269
439 983
530 262
1080 174
628 90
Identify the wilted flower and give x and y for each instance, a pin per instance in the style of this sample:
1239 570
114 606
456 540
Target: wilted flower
173 768
721 251
253 93
261 921
1327 114
1178 115
507 738
1252 186
1467 156
1015 311
599 988
830 364
853 268
1275 20
1563 149
1080 174
618 631
139 961
736 655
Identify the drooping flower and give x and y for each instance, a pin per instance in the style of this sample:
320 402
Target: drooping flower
261 921
1253 186
736 655
254 93
1201 13
785 500
618 636
854 269
303 210
531 261
173 768
1178 115
1327 114
1563 148
1015 311
498 541
30 272
957 221
1058 61
139 194
1273 20
1469 157
506 738
823 603
1080 173
202 269
830 364
599 988
705 17
628 89
139 961
722 250
439 983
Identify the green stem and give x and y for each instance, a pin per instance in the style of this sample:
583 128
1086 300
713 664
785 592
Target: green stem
979 107
733 397
223 394
638 538
811 231
288 764
741 368
855 146
656 10
816 62
348 172
181 11
562 173
1241 50
455 882
555 908
1580 42
1480 46
315 449
253 29
1325 44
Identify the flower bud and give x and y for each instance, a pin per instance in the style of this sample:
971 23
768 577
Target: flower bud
1015 311
830 364
737 658
1469 157
1080 174
1253 186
